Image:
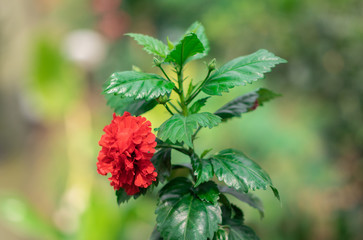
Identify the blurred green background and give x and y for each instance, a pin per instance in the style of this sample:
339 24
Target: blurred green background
55 55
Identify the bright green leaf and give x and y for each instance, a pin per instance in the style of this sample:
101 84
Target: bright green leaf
151 45
240 71
135 107
183 216
197 105
245 103
199 30
180 128
186 48
137 85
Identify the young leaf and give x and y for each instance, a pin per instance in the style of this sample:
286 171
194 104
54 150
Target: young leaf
240 71
137 85
245 103
237 171
135 107
199 30
162 163
186 48
208 191
180 128
248 198
182 215
151 45
198 105
221 234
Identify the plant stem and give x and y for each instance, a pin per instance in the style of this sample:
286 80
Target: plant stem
197 91
176 147
183 105
166 75
168 109
176 109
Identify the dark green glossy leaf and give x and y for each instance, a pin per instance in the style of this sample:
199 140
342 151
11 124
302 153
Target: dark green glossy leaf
197 105
137 85
199 30
151 45
162 163
245 103
208 191
248 198
179 128
203 170
186 48
240 71
183 216
135 107
241 232
238 171
122 196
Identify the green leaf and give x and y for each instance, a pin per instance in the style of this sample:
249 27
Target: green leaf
137 85
245 103
208 191
122 196
198 105
199 30
162 163
248 198
183 216
151 45
240 71
241 232
221 234
186 48
135 107
180 128
238 171
203 169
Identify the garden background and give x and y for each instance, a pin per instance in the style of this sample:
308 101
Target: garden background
55 55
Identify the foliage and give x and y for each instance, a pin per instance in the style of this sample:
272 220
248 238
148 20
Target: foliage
194 206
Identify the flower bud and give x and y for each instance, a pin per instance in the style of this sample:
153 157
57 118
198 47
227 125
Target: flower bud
157 62
212 65
163 99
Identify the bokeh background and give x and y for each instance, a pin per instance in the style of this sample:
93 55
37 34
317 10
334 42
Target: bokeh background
56 54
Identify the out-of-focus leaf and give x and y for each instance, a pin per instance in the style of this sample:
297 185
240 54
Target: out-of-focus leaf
248 198
240 71
245 103
162 163
151 45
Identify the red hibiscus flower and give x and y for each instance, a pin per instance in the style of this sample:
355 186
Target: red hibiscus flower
127 147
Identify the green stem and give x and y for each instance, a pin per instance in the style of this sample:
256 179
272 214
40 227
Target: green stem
183 105
166 75
197 91
168 109
176 147
176 109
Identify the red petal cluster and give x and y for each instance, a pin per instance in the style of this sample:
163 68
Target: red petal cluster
127 147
